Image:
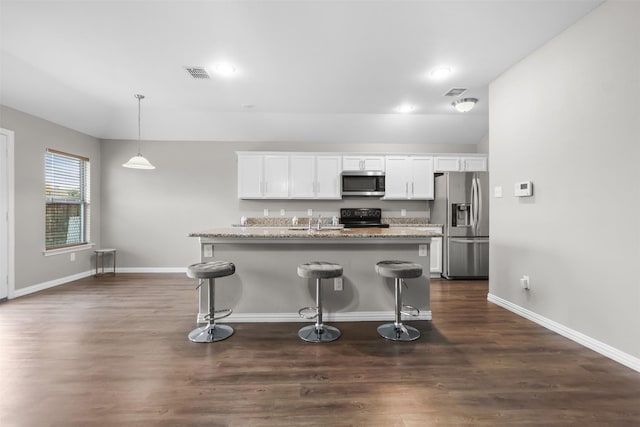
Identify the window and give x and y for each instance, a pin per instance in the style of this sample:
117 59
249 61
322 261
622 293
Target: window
67 200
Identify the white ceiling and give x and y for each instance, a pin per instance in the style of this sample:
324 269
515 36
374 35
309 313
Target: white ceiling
314 71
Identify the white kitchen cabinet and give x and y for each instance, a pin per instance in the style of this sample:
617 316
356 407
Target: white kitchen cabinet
474 164
315 177
360 163
409 178
328 177
436 252
447 164
263 176
460 163
250 171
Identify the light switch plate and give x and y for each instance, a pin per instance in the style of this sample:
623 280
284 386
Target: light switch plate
497 191
337 284
265 212
309 212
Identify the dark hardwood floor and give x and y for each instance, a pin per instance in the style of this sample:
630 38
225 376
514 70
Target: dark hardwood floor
114 352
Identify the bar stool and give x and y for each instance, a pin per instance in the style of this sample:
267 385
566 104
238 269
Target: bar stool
210 271
318 332
399 270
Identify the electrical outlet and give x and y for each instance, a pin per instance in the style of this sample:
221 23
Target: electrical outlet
422 250
337 284
207 251
403 212
72 257
497 191
265 212
524 282
309 212
282 212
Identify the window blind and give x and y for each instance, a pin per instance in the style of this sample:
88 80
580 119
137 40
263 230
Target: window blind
67 194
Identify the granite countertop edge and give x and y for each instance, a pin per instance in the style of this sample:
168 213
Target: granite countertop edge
285 233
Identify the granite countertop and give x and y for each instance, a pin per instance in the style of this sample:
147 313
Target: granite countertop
326 233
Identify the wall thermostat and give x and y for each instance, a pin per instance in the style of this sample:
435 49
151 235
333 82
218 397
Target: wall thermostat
523 189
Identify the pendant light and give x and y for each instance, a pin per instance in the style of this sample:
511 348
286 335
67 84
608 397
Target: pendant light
137 161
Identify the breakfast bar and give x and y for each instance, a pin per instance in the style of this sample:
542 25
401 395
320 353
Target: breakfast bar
266 287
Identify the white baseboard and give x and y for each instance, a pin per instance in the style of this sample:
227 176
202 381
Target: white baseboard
51 283
593 344
358 316
151 269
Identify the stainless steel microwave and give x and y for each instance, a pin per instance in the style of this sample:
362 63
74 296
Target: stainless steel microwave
363 183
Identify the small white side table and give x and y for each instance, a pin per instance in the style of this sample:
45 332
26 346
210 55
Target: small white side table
100 255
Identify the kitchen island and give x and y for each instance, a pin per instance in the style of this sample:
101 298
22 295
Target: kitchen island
267 288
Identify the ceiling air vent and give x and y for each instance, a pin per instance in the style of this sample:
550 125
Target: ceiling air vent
198 72
456 91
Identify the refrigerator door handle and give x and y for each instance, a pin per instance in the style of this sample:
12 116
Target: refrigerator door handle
469 240
473 204
478 217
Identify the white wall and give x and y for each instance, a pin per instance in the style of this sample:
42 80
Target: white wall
567 118
148 214
32 137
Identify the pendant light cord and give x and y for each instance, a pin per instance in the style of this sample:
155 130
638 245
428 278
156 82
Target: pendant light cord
140 97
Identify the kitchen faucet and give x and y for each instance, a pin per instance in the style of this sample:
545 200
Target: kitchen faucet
319 225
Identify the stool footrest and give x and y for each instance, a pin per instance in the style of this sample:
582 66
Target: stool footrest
308 312
225 313
409 310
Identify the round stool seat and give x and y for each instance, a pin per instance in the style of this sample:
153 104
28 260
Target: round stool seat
211 270
319 270
399 269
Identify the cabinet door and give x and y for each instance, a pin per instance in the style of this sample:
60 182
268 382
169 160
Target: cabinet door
276 177
436 255
397 178
352 163
250 177
373 163
447 164
421 186
474 164
328 177
302 181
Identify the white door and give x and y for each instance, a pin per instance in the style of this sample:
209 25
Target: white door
397 178
276 177
422 184
328 177
303 177
6 213
250 177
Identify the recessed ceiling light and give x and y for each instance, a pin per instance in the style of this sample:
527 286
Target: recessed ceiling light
405 109
440 73
223 69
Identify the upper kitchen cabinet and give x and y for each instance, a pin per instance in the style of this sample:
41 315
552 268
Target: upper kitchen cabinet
315 177
363 163
409 178
263 176
461 163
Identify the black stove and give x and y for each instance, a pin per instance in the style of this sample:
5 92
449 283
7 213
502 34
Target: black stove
362 218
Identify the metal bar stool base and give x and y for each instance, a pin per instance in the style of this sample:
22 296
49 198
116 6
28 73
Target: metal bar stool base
211 333
325 334
393 333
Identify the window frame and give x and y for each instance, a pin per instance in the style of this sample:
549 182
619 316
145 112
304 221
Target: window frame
84 202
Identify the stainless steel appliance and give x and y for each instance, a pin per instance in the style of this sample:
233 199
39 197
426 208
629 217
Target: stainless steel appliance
461 204
362 218
363 183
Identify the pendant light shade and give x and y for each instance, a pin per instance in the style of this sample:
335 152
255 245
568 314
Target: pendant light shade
138 161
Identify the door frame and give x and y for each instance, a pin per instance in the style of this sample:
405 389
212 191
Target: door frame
8 156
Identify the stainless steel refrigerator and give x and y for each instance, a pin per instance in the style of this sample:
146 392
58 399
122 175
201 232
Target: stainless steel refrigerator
461 204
